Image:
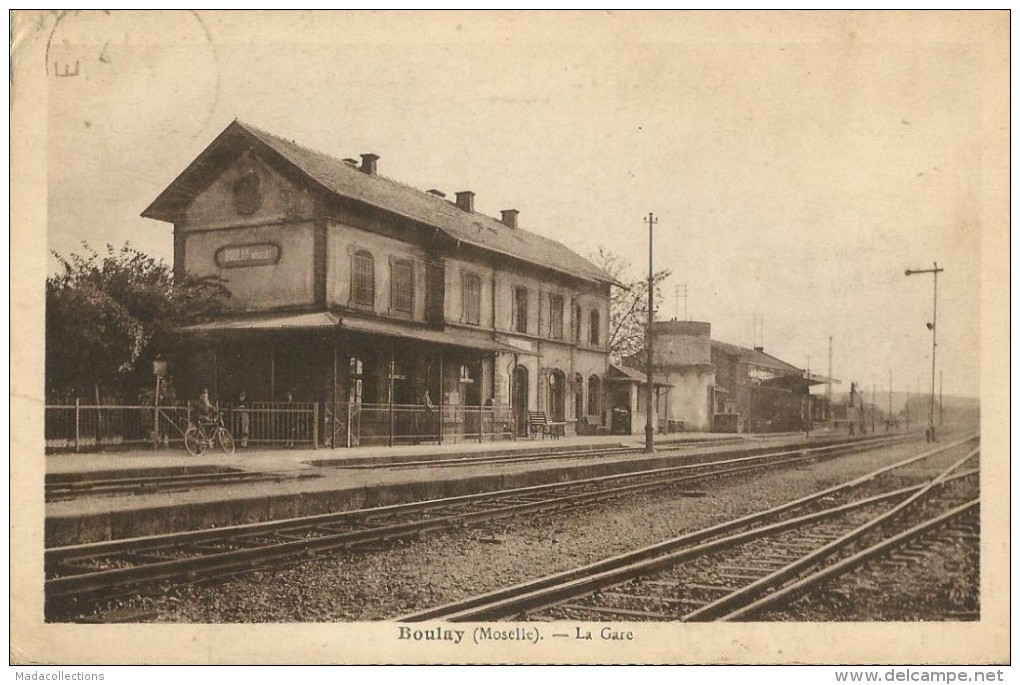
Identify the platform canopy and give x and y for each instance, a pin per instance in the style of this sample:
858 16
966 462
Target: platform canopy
328 321
802 380
619 372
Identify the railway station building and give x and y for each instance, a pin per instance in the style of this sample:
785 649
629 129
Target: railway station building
362 294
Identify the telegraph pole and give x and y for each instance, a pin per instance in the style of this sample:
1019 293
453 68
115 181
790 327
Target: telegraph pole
649 431
932 326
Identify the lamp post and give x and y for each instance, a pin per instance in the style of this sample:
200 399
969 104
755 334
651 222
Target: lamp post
930 434
649 431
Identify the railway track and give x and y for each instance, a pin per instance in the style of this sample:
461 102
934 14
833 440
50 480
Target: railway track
57 490
515 458
733 570
80 575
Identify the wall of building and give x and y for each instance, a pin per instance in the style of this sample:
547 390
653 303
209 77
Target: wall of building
454 300
682 357
261 246
286 283
280 199
343 241
680 343
689 398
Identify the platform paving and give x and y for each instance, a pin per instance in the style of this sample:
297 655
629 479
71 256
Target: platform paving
336 488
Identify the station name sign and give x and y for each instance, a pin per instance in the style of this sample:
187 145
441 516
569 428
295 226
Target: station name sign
249 254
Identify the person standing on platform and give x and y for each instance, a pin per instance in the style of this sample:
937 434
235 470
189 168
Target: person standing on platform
244 418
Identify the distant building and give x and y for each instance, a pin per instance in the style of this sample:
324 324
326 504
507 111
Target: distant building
708 385
348 287
760 392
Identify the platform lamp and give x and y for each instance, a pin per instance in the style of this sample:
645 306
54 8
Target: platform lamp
930 433
159 371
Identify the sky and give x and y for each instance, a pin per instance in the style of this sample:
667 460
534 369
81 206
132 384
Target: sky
797 163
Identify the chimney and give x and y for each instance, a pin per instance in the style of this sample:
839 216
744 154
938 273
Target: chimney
466 200
509 217
368 161
352 162
759 348
437 193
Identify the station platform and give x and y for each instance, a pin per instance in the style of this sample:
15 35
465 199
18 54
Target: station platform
293 483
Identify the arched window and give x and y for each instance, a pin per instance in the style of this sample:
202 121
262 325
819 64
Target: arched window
363 279
594 396
593 327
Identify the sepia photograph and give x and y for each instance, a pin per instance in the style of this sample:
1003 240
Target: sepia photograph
517 337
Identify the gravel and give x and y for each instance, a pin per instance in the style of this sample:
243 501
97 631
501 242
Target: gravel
410 575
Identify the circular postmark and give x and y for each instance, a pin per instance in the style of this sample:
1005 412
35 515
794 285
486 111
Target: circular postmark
108 68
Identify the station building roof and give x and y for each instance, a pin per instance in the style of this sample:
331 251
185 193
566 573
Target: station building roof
342 179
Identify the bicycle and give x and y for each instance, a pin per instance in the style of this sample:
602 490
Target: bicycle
197 436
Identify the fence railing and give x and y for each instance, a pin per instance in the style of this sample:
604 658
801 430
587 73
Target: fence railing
88 428
279 424
413 424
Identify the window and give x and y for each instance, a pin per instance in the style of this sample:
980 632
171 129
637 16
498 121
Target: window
594 395
521 310
593 327
357 379
471 289
363 282
577 323
578 396
402 286
556 317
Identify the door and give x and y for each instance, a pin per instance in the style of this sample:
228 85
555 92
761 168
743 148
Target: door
557 395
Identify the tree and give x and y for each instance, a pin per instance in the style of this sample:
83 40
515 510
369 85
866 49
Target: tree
109 315
628 306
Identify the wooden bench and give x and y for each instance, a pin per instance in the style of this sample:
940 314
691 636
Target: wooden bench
538 423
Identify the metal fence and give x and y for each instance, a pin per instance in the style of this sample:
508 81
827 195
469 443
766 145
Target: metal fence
274 424
415 424
88 428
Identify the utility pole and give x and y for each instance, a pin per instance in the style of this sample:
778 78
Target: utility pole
932 327
649 431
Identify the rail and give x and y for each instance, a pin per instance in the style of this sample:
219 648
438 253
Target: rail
105 569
